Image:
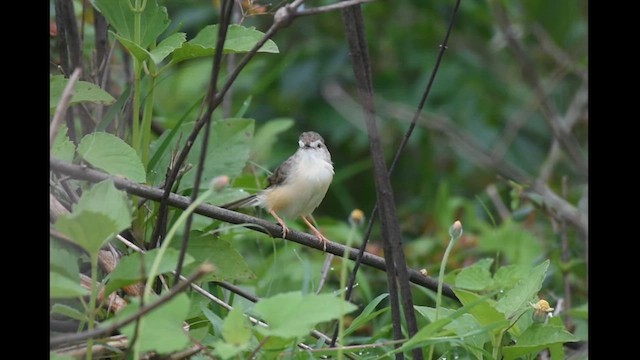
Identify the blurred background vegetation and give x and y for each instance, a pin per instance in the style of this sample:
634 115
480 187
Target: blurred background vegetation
484 94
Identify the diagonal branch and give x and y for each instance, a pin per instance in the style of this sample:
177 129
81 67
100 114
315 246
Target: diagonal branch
182 202
63 104
227 6
281 19
568 143
392 241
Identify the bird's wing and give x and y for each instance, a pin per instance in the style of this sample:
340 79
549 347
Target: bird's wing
281 173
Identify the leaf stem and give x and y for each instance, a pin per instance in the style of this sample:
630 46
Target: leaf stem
343 284
455 232
92 302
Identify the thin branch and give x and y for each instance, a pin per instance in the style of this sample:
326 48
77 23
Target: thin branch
468 147
281 19
336 6
100 331
574 112
227 6
63 104
565 138
230 287
392 242
325 272
182 202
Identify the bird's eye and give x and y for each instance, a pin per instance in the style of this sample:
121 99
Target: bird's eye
319 145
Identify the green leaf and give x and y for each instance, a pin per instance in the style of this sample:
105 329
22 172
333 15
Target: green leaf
513 241
236 329
230 265
106 199
153 20
227 152
61 287
133 268
83 91
111 154
136 50
62 147
536 338
63 261
239 39
68 311
167 46
88 229
101 213
518 297
461 326
54 356
291 315
162 329
484 312
475 277
509 275
266 136
226 351
367 314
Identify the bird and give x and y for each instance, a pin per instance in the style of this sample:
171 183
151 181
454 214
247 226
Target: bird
296 187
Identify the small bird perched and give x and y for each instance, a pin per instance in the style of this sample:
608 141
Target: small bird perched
297 186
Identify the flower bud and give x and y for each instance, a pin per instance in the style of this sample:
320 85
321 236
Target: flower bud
219 182
455 231
541 311
356 218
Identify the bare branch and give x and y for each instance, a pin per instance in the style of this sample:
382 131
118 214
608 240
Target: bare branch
531 76
332 7
227 6
230 287
468 147
257 224
63 104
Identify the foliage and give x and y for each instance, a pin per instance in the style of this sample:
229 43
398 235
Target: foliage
515 250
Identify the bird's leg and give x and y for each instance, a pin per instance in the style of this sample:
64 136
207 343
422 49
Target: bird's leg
317 233
285 229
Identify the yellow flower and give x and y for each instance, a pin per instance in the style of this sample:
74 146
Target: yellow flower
356 218
541 311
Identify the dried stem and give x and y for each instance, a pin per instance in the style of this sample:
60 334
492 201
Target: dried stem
63 104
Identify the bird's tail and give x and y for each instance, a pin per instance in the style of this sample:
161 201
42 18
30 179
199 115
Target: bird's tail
251 200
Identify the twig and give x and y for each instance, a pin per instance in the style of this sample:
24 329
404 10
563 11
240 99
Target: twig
61 110
226 285
561 57
574 112
227 6
492 191
468 147
256 224
531 76
64 339
281 19
325 271
401 148
336 6
565 259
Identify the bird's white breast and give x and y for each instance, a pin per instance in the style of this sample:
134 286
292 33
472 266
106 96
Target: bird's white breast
305 186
